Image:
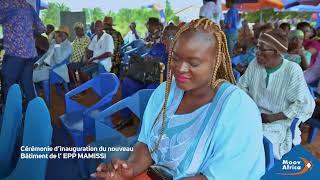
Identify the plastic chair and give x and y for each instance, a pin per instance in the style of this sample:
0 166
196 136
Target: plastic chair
105 132
78 120
268 150
268 147
55 79
10 128
138 48
236 75
314 127
136 103
38 133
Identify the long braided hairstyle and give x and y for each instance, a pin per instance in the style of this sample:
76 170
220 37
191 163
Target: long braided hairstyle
222 69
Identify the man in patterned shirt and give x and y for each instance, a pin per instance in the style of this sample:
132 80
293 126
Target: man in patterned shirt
118 43
20 22
79 45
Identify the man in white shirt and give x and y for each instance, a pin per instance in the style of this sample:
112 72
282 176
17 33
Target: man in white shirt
212 9
101 48
132 35
59 51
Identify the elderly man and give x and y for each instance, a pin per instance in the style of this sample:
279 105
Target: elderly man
117 41
59 50
79 46
279 89
20 22
102 48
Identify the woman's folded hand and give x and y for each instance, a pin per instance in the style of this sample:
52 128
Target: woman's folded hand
117 170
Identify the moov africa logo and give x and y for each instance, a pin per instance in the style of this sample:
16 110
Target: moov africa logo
295 168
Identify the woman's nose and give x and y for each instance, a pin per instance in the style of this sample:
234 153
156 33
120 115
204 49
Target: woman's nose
184 67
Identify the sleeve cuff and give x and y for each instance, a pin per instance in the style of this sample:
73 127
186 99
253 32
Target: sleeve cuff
290 114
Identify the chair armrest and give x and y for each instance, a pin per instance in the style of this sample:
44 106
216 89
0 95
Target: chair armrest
126 45
112 109
80 88
106 99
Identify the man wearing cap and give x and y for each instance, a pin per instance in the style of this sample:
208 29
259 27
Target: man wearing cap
79 45
117 41
60 50
20 23
279 90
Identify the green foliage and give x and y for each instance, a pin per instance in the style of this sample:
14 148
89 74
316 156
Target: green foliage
170 15
93 14
52 14
270 14
121 19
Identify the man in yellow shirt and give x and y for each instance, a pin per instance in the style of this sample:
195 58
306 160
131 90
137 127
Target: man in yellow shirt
79 45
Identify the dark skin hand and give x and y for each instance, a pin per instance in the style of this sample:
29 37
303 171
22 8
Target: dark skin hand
269 118
139 161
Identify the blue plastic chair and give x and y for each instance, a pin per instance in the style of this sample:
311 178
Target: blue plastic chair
268 147
268 150
236 75
107 136
37 132
314 124
138 48
10 128
78 119
136 103
55 79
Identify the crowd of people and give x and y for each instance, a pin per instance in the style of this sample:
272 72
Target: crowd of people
201 120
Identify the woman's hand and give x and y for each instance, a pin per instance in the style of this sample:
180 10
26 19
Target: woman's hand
117 170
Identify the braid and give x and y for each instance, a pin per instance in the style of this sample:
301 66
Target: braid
222 69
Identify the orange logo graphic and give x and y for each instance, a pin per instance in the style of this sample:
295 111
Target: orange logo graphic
295 165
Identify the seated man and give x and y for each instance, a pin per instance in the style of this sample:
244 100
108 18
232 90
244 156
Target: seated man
60 50
280 91
154 31
158 50
79 45
102 48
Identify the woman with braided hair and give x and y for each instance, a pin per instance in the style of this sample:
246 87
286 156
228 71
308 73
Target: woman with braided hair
197 125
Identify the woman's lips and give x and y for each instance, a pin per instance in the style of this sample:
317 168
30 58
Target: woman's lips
182 79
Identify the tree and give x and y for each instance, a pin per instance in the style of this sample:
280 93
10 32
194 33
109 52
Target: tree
170 15
93 14
52 14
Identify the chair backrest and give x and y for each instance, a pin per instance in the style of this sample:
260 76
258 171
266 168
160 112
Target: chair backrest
10 128
37 133
136 103
103 84
108 83
268 150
